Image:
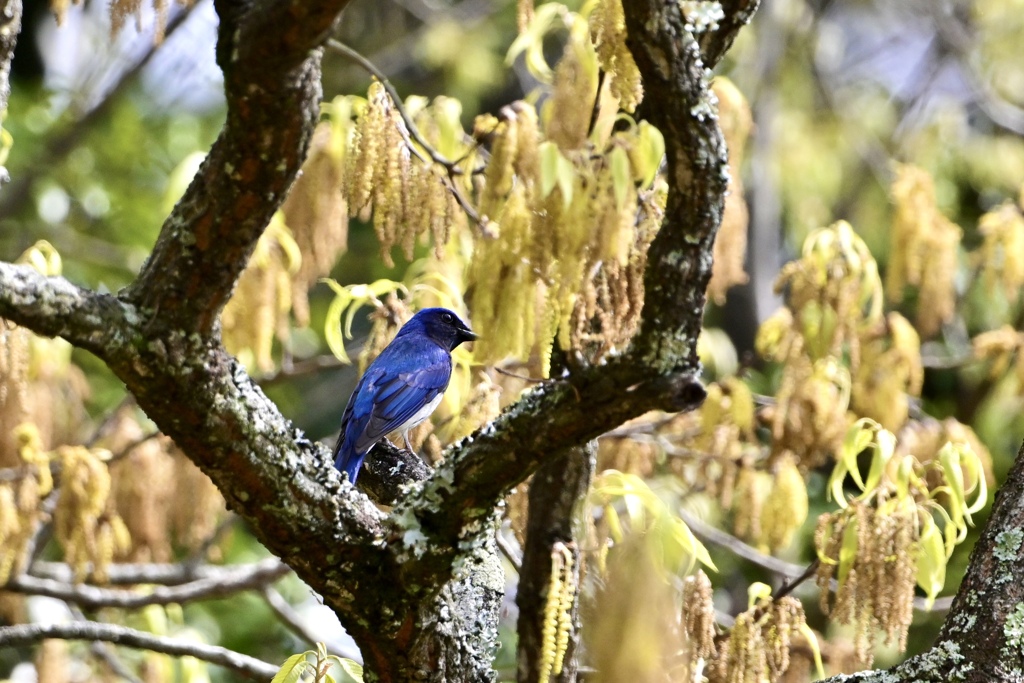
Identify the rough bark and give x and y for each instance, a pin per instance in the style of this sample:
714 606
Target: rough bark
10 27
556 493
418 588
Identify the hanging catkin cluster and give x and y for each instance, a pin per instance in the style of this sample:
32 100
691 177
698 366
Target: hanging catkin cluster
162 497
890 371
758 645
85 523
924 249
565 243
561 595
20 499
388 179
730 248
697 619
258 311
1001 256
316 211
608 28
877 591
832 319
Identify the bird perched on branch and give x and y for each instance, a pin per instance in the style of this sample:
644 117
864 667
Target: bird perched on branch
402 386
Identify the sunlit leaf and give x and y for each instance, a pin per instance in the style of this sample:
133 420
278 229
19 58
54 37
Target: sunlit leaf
293 668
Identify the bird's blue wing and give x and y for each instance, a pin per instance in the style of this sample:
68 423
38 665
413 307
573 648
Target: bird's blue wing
401 396
405 377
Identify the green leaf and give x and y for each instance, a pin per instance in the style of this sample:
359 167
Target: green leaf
812 641
903 475
931 560
848 549
651 144
549 155
622 175
949 459
531 41
353 669
756 592
885 446
332 323
293 668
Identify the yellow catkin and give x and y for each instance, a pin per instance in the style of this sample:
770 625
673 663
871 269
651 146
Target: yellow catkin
524 14
14 390
552 617
566 600
924 249
890 371
499 174
83 516
258 310
316 211
731 241
363 156
758 645
143 484
1001 256
608 31
698 617
878 590
566 114
785 506
196 506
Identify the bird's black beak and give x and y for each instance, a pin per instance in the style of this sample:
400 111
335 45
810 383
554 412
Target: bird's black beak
468 335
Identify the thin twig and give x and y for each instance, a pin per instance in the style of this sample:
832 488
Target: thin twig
510 553
103 652
293 621
28 634
307 366
789 586
353 56
231 581
413 131
508 373
127 574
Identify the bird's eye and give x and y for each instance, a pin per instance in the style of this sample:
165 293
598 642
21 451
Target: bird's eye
448 317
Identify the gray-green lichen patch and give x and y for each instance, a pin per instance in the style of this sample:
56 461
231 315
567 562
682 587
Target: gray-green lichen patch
701 15
1013 632
1008 545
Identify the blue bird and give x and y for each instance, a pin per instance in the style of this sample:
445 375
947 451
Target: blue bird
402 386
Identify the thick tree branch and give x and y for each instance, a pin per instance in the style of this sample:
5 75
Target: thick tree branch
54 307
716 42
679 260
10 27
229 582
388 578
28 634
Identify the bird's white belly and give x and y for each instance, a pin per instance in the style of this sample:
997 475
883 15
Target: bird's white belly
421 414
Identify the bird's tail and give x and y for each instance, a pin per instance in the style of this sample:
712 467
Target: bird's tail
347 458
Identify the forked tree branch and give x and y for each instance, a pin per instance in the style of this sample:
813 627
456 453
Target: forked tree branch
388 577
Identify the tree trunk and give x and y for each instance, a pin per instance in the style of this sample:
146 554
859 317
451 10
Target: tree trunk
556 493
